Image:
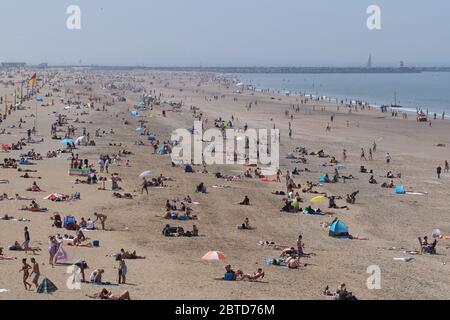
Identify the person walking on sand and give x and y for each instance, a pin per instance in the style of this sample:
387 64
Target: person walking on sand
363 155
374 147
25 269
344 155
438 171
446 167
144 186
26 243
36 272
102 217
370 154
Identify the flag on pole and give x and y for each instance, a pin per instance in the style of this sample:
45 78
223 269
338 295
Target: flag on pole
33 80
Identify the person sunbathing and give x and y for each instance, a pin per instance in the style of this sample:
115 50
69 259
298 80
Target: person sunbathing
34 188
372 180
389 185
259 274
3 257
351 199
20 198
332 203
131 256
108 295
426 247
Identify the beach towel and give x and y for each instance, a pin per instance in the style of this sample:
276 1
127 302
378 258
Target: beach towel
79 172
268 180
3 290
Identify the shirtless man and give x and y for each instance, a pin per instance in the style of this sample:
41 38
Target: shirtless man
36 272
102 217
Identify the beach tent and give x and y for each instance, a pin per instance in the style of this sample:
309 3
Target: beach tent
214 256
162 150
61 256
338 229
399 189
81 140
66 141
188 168
46 286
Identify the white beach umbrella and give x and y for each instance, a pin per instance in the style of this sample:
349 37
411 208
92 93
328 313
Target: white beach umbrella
145 174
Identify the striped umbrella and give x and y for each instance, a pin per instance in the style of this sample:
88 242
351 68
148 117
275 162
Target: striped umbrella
214 255
46 286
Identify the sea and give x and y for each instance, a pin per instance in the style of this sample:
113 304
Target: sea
427 90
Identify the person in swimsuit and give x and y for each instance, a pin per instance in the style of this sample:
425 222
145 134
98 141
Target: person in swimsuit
25 269
36 272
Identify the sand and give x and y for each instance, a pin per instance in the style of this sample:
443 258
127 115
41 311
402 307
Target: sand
173 268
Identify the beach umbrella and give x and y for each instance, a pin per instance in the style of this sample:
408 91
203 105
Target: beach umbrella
66 141
46 286
318 199
53 196
214 256
145 174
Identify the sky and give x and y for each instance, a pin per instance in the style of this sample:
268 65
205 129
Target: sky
226 32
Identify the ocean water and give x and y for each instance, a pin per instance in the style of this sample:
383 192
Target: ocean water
427 90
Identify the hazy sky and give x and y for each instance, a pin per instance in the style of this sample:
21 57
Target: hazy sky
226 32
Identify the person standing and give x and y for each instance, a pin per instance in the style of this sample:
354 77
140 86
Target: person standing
144 186
446 167
388 158
122 270
26 243
363 155
370 154
26 273
438 171
36 272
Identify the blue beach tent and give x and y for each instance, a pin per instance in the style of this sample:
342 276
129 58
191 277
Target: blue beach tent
338 229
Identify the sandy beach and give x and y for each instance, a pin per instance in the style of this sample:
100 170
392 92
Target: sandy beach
173 268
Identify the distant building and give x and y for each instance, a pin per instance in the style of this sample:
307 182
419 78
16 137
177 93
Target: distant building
43 65
13 64
402 64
